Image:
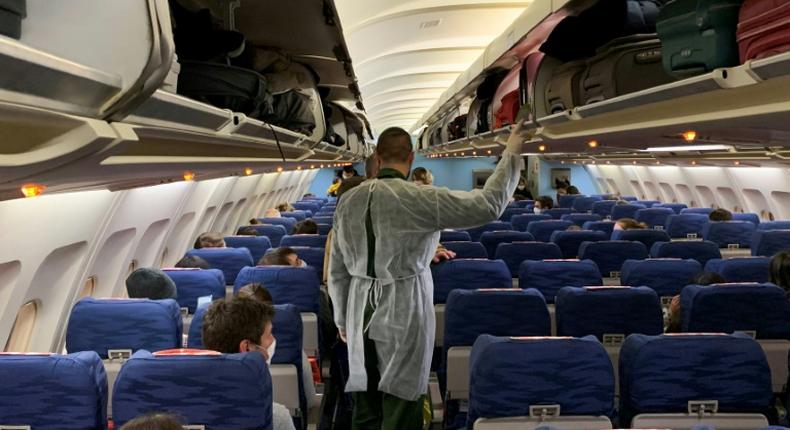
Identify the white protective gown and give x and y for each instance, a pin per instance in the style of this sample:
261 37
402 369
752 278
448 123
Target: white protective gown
407 219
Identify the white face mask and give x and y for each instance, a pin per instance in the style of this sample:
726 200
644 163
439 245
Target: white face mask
270 352
521 187
302 263
537 210
617 226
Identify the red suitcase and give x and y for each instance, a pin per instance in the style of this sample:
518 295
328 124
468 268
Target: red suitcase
763 29
500 112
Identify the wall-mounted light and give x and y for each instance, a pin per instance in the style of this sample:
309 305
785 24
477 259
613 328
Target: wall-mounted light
298 167
542 148
488 152
247 171
737 163
690 136
32 190
693 163
189 176
280 169
592 144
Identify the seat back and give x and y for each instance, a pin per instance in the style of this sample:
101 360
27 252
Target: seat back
729 234
192 284
648 203
235 390
548 276
53 391
287 223
309 240
510 375
492 239
569 241
751 307
229 260
314 258
603 208
520 222
605 226
701 251
324 229
751 217
768 242
307 206
297 215
274 232
662 374
258 245
287 329
323 219
774 225
468 274
542 230
467 249
655 218
646 237
104 325
584 204
454 236
676 207
667 276
580 219
686 225
195 338
608 313
557 213
289 285
476 232
625 211
509 213
566 200
610 255
699 211
741 269
521 203
515 253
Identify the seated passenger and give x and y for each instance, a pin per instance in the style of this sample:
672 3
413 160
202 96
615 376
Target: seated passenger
244 325
349 172
271 213
246 231
282 256
422 176
572 190
676 313
308 195
574 228
150 283
258 292
720 215
542 204
210 240
158 421
307 226
193 262
254 221
780 270
629 224
285 207
522 193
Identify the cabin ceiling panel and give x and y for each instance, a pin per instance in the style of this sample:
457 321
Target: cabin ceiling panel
411 51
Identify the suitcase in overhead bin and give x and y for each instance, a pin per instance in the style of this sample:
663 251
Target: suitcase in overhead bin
12 12
763 29
226 87
623 66
562 89
292 110
473 116
480 117
698 36
446 120
508 110
457 128
527 80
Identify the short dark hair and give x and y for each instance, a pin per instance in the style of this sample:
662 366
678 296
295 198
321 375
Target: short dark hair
211 240
780 269
546 202
150 283
193 261
156 421
255 291
228 322
246 231
720 215
394 145
307 226
708 278
277 257
572 190
348 184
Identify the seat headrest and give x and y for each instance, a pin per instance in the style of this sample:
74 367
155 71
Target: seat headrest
667 276
610 255
701 251
516 252
310 240
569 241
105 324
491 239
542 230
313 257
468 274
661 374
761 308
234 390
53 391
685 224
467 249
557 213
676 207
520 222
503 312
751 217
648 203
603 207
297 215
769 242
287 329
475 232
509 213
549 276
625 211
192 284
273 232
508 375
647 237
580 219
295 285
774 225
258 245
566 200
654 216
229 260
703 211
728 233
583 203
608 310
454 236
741 269
287 223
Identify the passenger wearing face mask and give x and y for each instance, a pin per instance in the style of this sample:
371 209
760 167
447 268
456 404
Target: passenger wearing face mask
244 325
522 192
542 204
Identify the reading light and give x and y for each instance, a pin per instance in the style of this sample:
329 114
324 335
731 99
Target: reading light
474 153
608 162
737 163
633 162
690 136
280 169
542 148
592 144
488 152
658 162
462 154
322 166
298 167
687 148
247 171
189 176
32 190
312 166
693 163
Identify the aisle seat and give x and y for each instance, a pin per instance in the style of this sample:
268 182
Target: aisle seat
570 241
741 269
686 225
314 258
229 260
605 226
625 211
323 220
654 217
307 206
751 217
509 213
192 284
287 223
729 234
774 225
610 255
454 236
646 237
521 222
603 208
557 213
702 211
584 204
309 240
274 232
676 207
548 276
702 251
466 249
258 245
769 242
513 254
297 215
491 239
667 276
581 218
648 203
474 233
542 230
565 201
324 229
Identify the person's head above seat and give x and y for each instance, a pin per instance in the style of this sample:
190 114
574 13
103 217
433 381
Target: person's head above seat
307 226
780 270
255 291
271 213
422 176
246 231
542 204
708 278
156 421
720 215
282 256
572 190
394 150
239 325
210 240
193 262
150 283
284 207
629 224
349 172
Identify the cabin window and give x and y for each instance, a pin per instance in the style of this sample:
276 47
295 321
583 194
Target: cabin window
22 330
89 287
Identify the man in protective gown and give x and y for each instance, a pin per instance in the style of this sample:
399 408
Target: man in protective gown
386 233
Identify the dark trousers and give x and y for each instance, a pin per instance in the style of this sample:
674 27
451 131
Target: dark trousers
374 410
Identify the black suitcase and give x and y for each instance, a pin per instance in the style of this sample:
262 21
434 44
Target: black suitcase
226 87
291 110
12 12
623 66
562 89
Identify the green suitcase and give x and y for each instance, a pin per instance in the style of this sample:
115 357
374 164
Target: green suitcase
698 35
